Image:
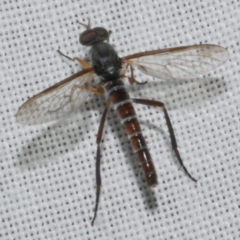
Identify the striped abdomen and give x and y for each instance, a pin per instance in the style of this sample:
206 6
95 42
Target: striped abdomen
121 101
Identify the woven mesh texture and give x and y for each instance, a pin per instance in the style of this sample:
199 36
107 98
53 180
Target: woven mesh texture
47 172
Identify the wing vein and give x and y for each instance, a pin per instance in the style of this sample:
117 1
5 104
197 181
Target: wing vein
57 101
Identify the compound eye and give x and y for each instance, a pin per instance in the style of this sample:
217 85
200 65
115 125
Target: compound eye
88 36
101 32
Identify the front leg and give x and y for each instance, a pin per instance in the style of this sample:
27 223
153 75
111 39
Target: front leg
170 128
79 60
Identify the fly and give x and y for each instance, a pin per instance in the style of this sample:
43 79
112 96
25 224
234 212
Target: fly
69 94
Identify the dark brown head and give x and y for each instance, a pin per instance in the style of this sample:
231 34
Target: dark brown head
94 35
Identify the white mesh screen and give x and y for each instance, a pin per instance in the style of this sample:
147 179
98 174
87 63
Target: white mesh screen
47 172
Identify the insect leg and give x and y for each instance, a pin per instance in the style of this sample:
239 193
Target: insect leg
132 79
79 60
99 89
170 128
98 174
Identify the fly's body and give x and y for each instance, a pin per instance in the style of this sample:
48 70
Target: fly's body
107 65
70 93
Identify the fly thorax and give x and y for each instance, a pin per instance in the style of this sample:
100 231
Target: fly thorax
105 61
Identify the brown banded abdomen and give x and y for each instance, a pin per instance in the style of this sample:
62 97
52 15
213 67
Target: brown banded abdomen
127 114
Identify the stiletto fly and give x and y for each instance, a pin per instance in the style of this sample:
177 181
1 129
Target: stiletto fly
67 95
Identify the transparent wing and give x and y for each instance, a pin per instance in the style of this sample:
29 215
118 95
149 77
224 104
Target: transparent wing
58 100
180 62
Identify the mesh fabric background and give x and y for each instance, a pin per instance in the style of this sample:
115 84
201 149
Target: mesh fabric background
47 176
